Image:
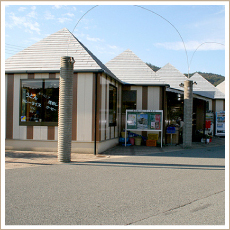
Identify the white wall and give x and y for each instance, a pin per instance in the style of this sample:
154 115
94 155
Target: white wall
84 106
139 96
153 98
219 105
19 132
103 118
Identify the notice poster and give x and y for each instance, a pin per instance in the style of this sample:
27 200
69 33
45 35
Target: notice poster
23 118
155 121
220 123
142 121
132 119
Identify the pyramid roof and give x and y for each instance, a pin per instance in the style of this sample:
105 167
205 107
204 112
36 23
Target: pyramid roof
205 88
130 69
221 86
172 76
45 56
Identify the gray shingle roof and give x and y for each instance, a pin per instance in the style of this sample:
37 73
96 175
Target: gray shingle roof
46 54
130 69
221 87
172 76
205 88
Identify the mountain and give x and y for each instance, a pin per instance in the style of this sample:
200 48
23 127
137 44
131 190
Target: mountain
153 67
214 79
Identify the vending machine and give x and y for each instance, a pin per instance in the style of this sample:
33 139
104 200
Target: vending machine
220 123
209 123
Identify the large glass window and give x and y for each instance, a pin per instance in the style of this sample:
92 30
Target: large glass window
129 100
39 102
112 105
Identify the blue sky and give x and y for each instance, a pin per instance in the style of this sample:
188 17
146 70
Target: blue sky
108 30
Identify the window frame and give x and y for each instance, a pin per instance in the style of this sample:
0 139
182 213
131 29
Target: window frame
33 123
122 108
114 123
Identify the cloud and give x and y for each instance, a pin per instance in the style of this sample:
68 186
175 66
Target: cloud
21 8
33 8
30 27
191 45
49 16
63 20
32 14
56 7
94 39
113 47
69 14
25 22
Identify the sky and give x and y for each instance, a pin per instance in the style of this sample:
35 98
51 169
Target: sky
190 37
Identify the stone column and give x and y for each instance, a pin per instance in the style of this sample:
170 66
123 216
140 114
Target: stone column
65 109
188 111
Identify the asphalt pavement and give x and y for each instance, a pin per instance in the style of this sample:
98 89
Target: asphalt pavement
182 187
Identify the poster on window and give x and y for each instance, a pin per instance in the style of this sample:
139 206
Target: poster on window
132 120
142 121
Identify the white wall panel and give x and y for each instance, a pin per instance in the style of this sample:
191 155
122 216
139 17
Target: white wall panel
37 75
23 76
41 75
16 132
112 132
209 104
37 133
139 95
84 107
44 132
219 105
6 82
56 133
154 98
117 119
103 121
107 113
23 132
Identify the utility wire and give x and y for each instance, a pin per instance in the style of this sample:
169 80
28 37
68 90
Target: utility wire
172 26
199 47
77 24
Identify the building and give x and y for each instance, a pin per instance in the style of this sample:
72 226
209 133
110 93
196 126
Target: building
32 97
102 93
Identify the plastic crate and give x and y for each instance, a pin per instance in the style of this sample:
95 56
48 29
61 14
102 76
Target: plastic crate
152 136
151 143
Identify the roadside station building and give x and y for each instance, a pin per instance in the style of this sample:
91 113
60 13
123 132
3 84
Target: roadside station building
101 94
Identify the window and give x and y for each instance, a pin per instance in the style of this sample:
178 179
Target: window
112 105
39 102
129 100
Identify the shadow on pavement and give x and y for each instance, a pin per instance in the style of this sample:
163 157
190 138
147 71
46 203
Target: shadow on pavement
207 152
151 165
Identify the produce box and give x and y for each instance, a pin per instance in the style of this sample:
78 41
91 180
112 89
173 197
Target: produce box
151 143
152 136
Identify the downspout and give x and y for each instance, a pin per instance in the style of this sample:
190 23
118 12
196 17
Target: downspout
95 121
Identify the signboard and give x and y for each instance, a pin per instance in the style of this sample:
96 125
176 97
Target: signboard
220 123
144 120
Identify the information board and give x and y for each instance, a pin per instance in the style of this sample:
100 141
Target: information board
144 120
220 123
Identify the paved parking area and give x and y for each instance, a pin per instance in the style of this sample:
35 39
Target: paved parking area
185 187
20 159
